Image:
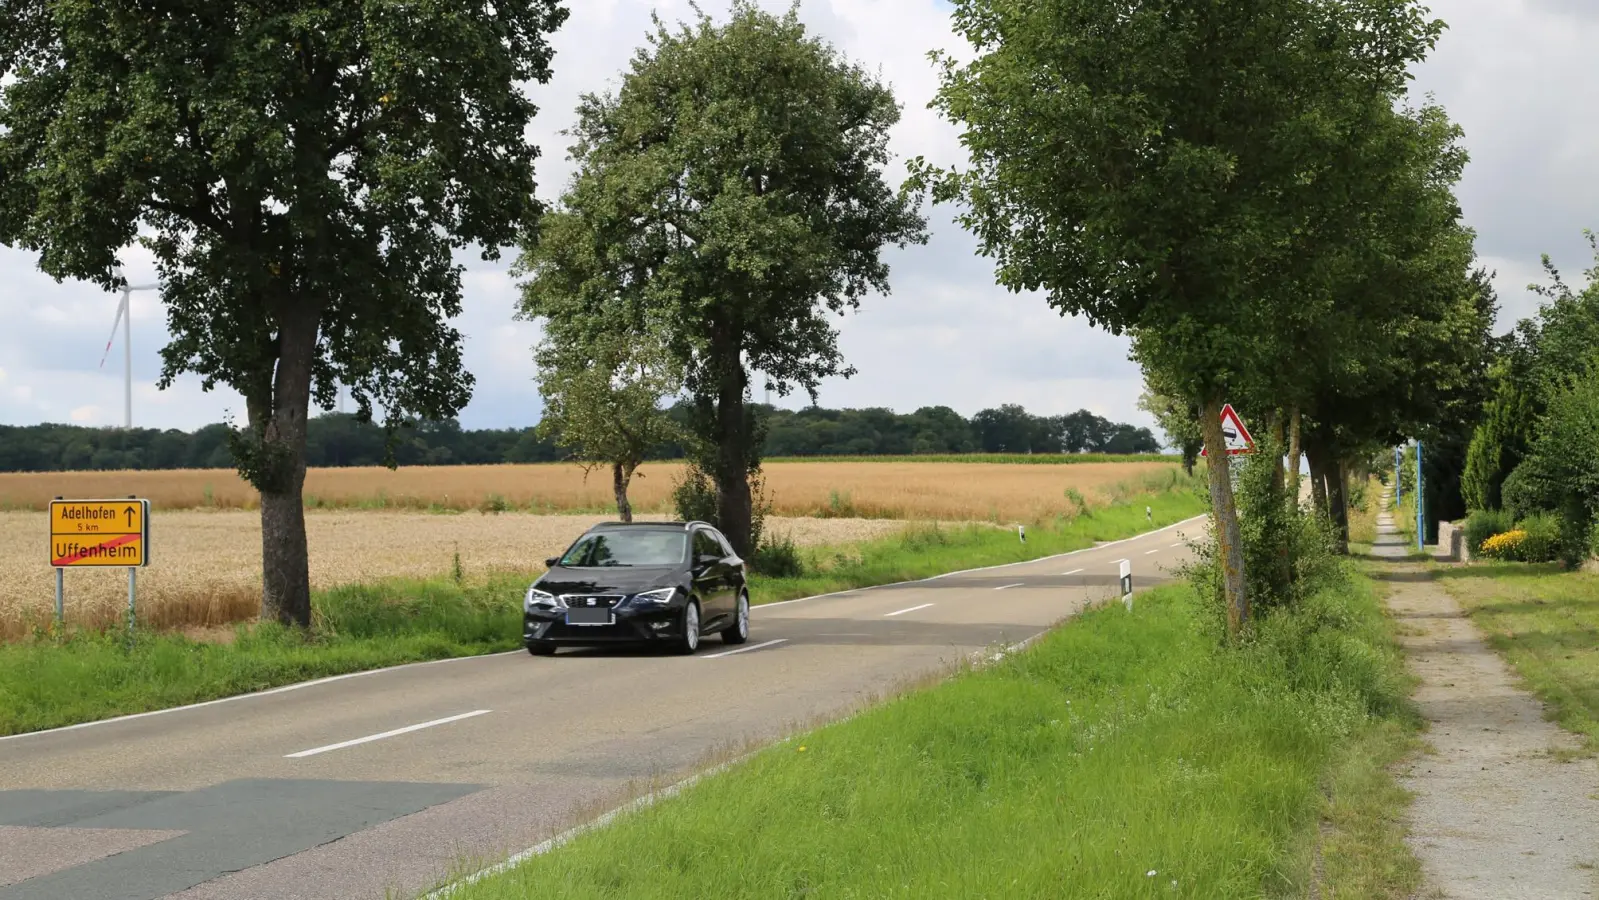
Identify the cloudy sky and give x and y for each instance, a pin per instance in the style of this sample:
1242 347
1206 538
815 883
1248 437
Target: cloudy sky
1516 74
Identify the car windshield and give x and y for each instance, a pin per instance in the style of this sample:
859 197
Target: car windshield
627 548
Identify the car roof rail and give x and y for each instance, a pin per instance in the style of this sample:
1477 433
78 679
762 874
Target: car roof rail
689 525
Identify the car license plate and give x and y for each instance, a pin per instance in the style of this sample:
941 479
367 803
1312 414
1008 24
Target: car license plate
588 617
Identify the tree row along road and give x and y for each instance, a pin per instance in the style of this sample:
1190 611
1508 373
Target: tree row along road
391 780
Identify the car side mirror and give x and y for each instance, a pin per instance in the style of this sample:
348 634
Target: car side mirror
550 563
706 560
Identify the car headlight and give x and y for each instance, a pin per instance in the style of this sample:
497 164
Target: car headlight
655 598
536 597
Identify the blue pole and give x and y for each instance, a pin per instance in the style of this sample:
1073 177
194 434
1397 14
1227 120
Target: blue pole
1421 521
1399 468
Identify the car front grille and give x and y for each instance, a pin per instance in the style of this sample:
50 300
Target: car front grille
591 601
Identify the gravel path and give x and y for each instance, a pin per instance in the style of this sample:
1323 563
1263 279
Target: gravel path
1495 815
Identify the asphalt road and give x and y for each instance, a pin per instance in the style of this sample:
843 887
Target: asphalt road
390 781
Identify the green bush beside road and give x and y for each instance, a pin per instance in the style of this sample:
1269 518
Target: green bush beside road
1124 755
51 681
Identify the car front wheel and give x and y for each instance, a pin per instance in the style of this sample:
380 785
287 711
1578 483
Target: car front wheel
739 631
688 640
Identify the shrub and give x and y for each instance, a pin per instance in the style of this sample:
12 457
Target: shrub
778 558
1497 447
1483 524
1289 554
1506 545
1542 541
694 496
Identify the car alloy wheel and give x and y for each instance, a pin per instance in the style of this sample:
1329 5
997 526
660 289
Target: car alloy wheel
690 639
739 631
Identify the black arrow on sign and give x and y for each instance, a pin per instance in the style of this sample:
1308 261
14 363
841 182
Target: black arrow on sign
129 511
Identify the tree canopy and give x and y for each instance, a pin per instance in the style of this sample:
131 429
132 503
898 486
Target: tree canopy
731 195
303 173
1225 182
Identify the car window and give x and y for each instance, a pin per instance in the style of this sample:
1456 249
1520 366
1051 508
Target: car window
627 548
705 544
727 549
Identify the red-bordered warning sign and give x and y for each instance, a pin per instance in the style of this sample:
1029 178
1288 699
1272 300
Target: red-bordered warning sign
1234 433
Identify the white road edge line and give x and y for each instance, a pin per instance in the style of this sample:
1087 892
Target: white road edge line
746 649
1004 586
1072 572
903 611
664 793
387 734
268 692
1156 550
455 659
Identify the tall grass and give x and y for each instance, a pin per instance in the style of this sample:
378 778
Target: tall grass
82 676
1126 755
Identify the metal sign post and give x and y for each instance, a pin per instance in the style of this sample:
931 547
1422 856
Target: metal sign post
1421 504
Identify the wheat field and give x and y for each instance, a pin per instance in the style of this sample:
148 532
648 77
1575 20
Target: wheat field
369 524
205 565
996 492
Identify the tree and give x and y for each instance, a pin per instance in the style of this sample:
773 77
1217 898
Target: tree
1156 167
602 400
732 192
303 173
1179 419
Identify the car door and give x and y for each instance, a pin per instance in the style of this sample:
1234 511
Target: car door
735 567
710 578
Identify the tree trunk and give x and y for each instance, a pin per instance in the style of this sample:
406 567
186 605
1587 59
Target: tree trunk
278 472
1284 578
621 477
1338 500
732 459
1293 457
1318 478
1224 516
1274 427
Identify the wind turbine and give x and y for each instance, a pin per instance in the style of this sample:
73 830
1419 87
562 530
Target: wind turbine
127 341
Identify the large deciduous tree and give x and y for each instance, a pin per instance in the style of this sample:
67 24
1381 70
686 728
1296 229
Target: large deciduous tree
1154 166
732 191
303 172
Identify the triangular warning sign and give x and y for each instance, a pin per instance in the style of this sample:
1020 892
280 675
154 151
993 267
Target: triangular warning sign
1234 433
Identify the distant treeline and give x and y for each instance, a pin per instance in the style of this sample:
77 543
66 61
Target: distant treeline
339 440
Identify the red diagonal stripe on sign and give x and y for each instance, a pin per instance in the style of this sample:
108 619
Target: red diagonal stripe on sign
87 552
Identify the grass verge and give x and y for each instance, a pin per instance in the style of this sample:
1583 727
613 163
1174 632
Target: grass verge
53 680
1363 516
1545 622
926 550
1124 755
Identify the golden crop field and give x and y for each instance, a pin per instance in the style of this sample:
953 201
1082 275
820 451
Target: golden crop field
205 565
967 491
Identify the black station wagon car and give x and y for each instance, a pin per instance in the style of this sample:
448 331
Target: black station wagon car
645 582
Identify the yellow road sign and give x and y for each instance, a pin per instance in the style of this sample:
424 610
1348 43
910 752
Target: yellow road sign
99 533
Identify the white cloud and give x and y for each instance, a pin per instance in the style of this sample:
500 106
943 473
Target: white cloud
85 415
1516 74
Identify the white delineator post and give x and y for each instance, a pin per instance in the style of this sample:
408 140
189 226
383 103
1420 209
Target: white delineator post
1127 583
